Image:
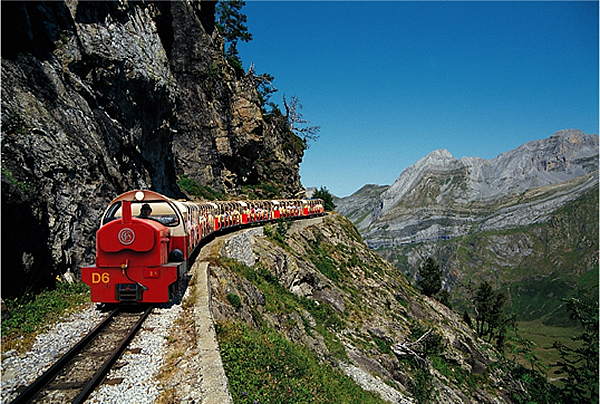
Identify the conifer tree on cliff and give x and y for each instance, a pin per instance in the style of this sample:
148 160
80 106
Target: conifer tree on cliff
231 24
579 363
430 277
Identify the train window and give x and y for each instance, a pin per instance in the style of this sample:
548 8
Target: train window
111 213
162 212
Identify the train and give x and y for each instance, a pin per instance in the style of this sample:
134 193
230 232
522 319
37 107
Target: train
146 241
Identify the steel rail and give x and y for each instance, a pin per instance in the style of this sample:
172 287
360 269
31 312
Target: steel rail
104 369
49 374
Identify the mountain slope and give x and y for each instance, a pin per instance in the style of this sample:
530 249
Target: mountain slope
359 207
441 197
322 290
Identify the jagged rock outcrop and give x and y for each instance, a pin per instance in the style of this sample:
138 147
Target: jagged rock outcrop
102 97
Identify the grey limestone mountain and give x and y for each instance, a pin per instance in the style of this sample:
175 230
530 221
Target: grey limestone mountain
441 197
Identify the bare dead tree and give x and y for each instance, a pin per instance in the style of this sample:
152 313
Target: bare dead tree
294 119
406 348
264 85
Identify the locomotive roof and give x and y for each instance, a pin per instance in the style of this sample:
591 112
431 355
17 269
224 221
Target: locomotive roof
146 195
140 195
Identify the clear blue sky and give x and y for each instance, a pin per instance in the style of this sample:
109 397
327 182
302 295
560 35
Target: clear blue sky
388 82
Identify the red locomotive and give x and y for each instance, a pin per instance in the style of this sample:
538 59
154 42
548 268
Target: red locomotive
145 241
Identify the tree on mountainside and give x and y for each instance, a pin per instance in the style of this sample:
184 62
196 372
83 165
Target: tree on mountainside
231 24
324 194
490 319
429 278
579 364
483 306
294 119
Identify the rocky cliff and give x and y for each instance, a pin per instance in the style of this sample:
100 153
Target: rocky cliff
103 97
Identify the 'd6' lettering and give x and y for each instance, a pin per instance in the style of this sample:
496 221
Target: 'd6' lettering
97 278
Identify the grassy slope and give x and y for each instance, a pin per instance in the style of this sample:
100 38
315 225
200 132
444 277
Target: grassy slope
381 308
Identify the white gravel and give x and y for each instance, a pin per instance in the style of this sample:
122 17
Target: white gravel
138 373
20 370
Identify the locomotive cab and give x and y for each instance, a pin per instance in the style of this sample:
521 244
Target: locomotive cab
133 252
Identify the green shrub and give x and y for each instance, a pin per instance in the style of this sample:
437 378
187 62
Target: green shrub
327 197
383 345
263 190
234 300
278 233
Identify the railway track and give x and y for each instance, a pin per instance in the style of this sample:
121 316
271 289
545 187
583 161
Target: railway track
77 373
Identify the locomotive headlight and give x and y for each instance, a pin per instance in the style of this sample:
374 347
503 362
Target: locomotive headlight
139 196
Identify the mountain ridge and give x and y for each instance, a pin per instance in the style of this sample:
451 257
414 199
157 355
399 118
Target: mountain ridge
441 196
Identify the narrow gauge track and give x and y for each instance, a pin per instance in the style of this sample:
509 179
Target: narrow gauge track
78 372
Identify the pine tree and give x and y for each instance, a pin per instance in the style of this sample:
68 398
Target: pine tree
231 24
580 364
483 306
430 277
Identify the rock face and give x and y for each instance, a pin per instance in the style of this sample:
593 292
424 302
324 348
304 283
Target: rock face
441 197
102 97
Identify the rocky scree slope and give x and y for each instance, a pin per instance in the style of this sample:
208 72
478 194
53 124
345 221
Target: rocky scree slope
103 97
324 289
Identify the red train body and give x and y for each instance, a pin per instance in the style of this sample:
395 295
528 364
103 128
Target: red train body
143 257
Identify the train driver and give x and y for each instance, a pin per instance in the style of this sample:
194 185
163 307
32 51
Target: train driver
146 210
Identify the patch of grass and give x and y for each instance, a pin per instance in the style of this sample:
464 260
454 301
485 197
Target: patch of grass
193 188
544 336
281 301
262 366
23 186
323 260
351 229
542 298
456 374
28 315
